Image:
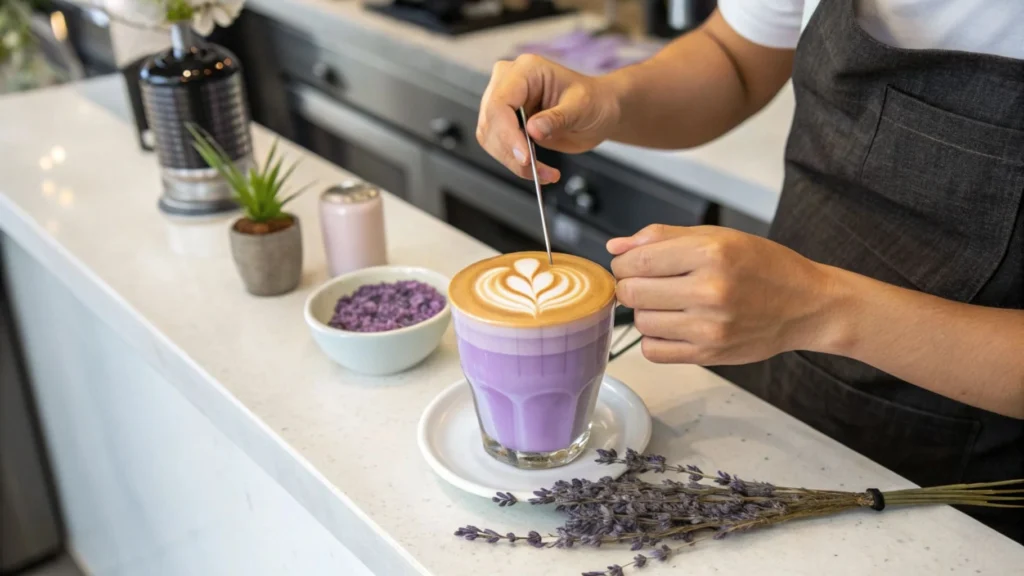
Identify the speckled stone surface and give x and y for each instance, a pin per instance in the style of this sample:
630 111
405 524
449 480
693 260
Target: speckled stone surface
344 446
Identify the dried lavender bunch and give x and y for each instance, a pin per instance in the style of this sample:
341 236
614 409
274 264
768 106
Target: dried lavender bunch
632 511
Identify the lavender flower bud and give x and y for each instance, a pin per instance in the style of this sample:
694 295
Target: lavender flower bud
656 463
634 463
504 499
615 570
609 456
383 306
640 560
738 486
661 554
762 489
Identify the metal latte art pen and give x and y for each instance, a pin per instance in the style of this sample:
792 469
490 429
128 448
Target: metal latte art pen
536 184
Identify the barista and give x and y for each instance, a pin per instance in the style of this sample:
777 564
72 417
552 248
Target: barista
885 308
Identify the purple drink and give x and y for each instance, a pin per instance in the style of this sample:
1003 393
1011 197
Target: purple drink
533 341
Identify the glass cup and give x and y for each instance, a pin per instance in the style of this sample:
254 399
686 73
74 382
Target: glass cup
535 387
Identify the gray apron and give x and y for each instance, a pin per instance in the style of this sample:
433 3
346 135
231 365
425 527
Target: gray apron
906 166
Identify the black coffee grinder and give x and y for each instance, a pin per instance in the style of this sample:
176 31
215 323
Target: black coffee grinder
671 18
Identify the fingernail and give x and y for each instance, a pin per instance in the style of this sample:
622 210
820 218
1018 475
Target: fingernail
520 157
543 126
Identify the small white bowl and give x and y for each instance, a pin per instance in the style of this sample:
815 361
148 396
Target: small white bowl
376 353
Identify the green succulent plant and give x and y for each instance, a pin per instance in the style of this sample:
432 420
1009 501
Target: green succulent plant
259 191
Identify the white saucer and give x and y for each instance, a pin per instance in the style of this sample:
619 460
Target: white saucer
449 437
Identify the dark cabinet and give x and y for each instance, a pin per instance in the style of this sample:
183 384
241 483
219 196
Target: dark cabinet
29 521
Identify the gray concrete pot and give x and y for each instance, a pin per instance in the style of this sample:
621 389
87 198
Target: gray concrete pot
269 264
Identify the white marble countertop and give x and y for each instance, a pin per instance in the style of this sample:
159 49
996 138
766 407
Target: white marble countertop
742 170
78 194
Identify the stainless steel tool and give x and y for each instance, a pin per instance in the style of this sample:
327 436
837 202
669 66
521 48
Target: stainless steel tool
536 184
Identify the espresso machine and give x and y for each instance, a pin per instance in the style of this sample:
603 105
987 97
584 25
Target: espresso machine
671 18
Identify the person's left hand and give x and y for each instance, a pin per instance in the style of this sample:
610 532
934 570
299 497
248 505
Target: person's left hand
713 296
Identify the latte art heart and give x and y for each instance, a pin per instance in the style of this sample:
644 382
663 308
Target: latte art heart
524 290
521 289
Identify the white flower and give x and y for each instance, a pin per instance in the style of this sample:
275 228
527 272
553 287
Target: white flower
219 12
207 13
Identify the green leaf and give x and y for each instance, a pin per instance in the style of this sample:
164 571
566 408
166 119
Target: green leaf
270 160
244 197
292 196
220 152
272 181
257 194
214 156
287 174
217 163
256 191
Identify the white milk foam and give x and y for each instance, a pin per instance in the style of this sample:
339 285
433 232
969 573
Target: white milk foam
520 289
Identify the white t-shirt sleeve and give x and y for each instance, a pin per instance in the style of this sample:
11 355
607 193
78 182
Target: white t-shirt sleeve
772 23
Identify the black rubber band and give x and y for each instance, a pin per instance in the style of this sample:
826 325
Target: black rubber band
878 497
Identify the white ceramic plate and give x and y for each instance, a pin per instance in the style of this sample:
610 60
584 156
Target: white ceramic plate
449 438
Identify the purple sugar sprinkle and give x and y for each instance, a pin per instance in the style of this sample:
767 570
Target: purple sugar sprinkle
387 306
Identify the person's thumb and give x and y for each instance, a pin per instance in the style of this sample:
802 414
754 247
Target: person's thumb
560 118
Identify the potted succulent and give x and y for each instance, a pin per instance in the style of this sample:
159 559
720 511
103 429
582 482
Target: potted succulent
266 241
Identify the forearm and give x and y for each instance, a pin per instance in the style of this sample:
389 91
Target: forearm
697 88
969 353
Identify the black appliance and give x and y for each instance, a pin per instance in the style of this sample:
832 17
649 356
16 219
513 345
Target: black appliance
200 83
461 16
412 133
670 18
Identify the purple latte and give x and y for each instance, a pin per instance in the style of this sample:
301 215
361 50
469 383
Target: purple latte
533 341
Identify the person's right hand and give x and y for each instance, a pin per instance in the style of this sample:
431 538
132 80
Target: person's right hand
569 112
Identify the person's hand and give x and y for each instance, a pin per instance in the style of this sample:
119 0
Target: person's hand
569 112
714 296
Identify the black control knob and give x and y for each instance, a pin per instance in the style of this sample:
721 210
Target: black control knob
576 188
584 202
326 73
575 185
446 133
